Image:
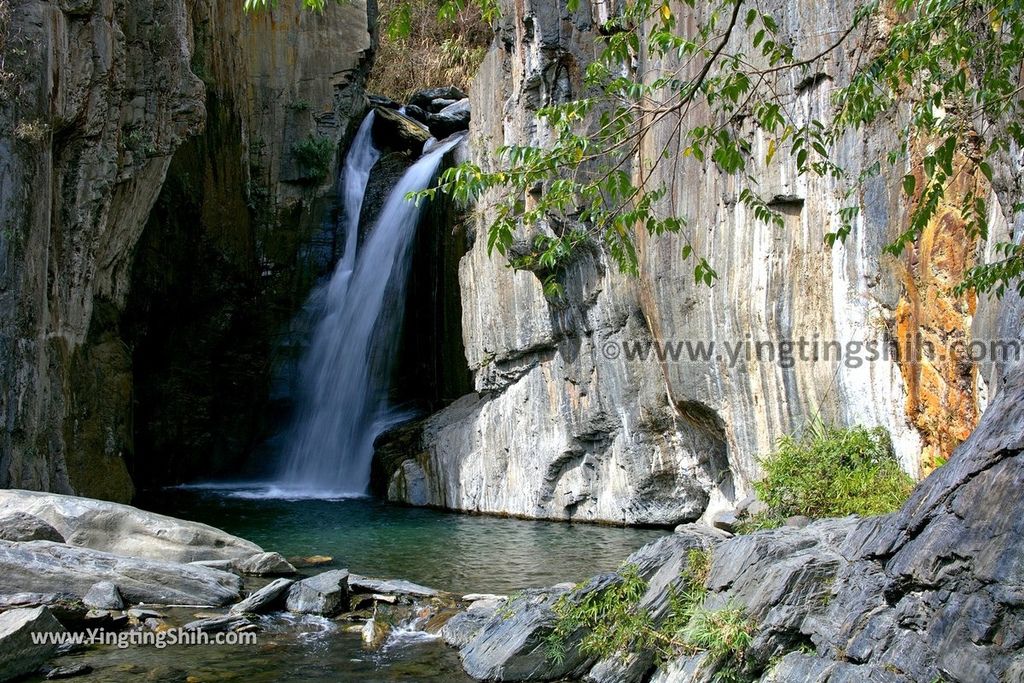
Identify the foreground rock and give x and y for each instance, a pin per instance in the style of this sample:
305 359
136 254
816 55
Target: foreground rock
324 594
510 642
19 655
103 595
512 645
464 626
221 624
125 530
362 584
45 567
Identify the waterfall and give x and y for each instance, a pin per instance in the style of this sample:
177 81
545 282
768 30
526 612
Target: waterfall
342 403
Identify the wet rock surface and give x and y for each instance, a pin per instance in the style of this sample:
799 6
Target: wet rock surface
265 598
396 132
325 594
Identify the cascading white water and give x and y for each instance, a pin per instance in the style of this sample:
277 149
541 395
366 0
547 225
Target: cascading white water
342 405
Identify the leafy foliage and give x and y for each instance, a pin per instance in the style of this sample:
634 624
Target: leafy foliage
612 621
948 70
832 472
314 155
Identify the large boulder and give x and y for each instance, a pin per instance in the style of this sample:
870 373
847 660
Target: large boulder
264 564
444 121
396 132
126 530
21 526
46 567
425 98
452 119
104 595
512 645
20 654
464 626
324 594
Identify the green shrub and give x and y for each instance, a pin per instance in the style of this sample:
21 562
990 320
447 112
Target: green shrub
314 155
832 472
614 622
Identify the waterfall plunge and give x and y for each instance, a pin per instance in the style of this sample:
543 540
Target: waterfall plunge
342 404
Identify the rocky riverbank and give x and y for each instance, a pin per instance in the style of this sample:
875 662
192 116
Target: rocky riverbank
930 593
934 592
75 565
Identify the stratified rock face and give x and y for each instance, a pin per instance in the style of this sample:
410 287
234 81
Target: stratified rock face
101 95
567 423
126 530
932 592
96 98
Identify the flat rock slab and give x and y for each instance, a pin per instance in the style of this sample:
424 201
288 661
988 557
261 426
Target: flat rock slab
263 599
18 654
362 584
45 567
223 624
125 530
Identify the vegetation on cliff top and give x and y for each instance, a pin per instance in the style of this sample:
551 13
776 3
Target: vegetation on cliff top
425 44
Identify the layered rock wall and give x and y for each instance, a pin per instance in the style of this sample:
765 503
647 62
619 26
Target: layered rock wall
563 425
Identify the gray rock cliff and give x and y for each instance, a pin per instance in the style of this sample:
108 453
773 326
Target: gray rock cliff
565 424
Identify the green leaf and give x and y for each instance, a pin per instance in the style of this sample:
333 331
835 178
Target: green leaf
909 184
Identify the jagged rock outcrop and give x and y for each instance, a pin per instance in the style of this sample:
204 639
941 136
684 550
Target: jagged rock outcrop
932 592
571 419
96 98
20 654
